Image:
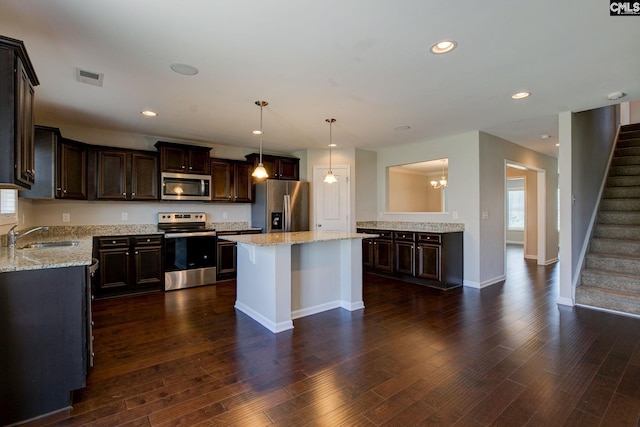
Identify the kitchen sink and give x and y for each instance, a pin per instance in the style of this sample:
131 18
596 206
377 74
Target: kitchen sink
52 244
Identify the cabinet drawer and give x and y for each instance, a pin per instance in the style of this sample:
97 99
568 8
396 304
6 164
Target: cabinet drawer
113 242
384 234
429 238
404 236
153 240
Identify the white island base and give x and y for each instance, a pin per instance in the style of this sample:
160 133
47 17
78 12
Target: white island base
292 275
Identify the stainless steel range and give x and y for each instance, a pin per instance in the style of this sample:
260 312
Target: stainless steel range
189 251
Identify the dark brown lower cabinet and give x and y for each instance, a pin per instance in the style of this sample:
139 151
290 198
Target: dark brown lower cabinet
227 255
43 320
433 259
128 264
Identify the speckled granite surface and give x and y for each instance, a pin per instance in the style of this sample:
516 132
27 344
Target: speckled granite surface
294 238
434 227
68 256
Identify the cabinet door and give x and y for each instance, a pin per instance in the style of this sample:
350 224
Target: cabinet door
148 268
173 159
243 182
404 253
288 169
383 255
112 171
429 262
24 150
221 180
226 266
199 161
114 270
71 175
144 176
367 253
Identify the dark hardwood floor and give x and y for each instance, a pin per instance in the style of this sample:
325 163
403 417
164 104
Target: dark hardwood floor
506 355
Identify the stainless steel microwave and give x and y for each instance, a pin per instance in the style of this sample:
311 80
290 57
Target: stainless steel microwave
185 186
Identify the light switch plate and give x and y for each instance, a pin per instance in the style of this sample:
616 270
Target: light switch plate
66 217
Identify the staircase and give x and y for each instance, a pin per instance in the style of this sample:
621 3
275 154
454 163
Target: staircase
610 277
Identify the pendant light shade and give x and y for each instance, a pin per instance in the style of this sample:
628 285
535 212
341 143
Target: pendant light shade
330 178
260 172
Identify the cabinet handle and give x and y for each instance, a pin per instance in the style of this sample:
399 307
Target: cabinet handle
182 167
190 167
64 191
124 194
113 242
148 240
136 252
127 253
133 194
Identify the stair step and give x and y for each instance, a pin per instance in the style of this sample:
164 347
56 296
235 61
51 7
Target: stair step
626 151
629 134
626 170
610 299
620 232
613 263
621 192
620 204
609 280
623 181
619 218
626 160
630 127
615 246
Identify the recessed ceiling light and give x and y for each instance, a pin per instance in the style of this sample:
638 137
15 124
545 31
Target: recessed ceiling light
402 128
257 132
333 145
443 46
149 113
521 95
545 136
184 69
615 96
558 145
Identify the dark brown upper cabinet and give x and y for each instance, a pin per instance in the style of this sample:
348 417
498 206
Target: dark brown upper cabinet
17 96
182 158
231 181
278 167
126 174
61 165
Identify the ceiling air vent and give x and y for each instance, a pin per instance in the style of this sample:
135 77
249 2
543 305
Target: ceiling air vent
89 77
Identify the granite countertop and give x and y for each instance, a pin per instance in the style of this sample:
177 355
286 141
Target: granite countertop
294 238
12 259
417 227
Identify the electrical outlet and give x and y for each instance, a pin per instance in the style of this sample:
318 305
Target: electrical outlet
485 214
454 214
225 215
66 217
125 216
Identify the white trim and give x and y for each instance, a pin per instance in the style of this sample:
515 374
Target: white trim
607 310
296 314
352 306
565 301
259 318
480 285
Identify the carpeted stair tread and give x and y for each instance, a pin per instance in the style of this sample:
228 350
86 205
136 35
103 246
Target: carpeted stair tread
619 217
610 280
630 160
620 205
629 127
620 232
623 181
629 192
610 299
625 264
629 247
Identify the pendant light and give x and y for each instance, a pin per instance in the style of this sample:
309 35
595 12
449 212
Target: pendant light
330 177
443 181
260 172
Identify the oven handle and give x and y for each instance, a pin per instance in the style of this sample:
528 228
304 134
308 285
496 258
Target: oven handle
191 234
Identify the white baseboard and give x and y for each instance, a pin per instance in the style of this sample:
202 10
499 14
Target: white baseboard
272 326
480 285
565 301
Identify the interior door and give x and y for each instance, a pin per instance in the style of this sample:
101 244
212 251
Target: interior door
331 201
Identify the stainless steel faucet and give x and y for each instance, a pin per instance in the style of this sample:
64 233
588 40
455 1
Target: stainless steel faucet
14 236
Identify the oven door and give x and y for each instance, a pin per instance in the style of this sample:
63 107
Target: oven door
182 186
190 260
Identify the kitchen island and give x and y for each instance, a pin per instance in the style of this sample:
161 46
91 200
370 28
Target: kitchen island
285 276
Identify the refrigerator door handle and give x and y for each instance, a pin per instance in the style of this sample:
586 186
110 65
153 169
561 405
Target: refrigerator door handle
286 209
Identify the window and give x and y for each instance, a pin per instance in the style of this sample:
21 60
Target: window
515 207
8 207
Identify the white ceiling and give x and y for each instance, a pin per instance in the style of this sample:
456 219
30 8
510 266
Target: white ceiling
364 62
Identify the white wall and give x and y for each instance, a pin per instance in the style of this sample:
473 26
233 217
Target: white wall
462 190
494 152
365 183
586 141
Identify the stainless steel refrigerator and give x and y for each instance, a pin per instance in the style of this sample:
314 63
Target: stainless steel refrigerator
281 206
